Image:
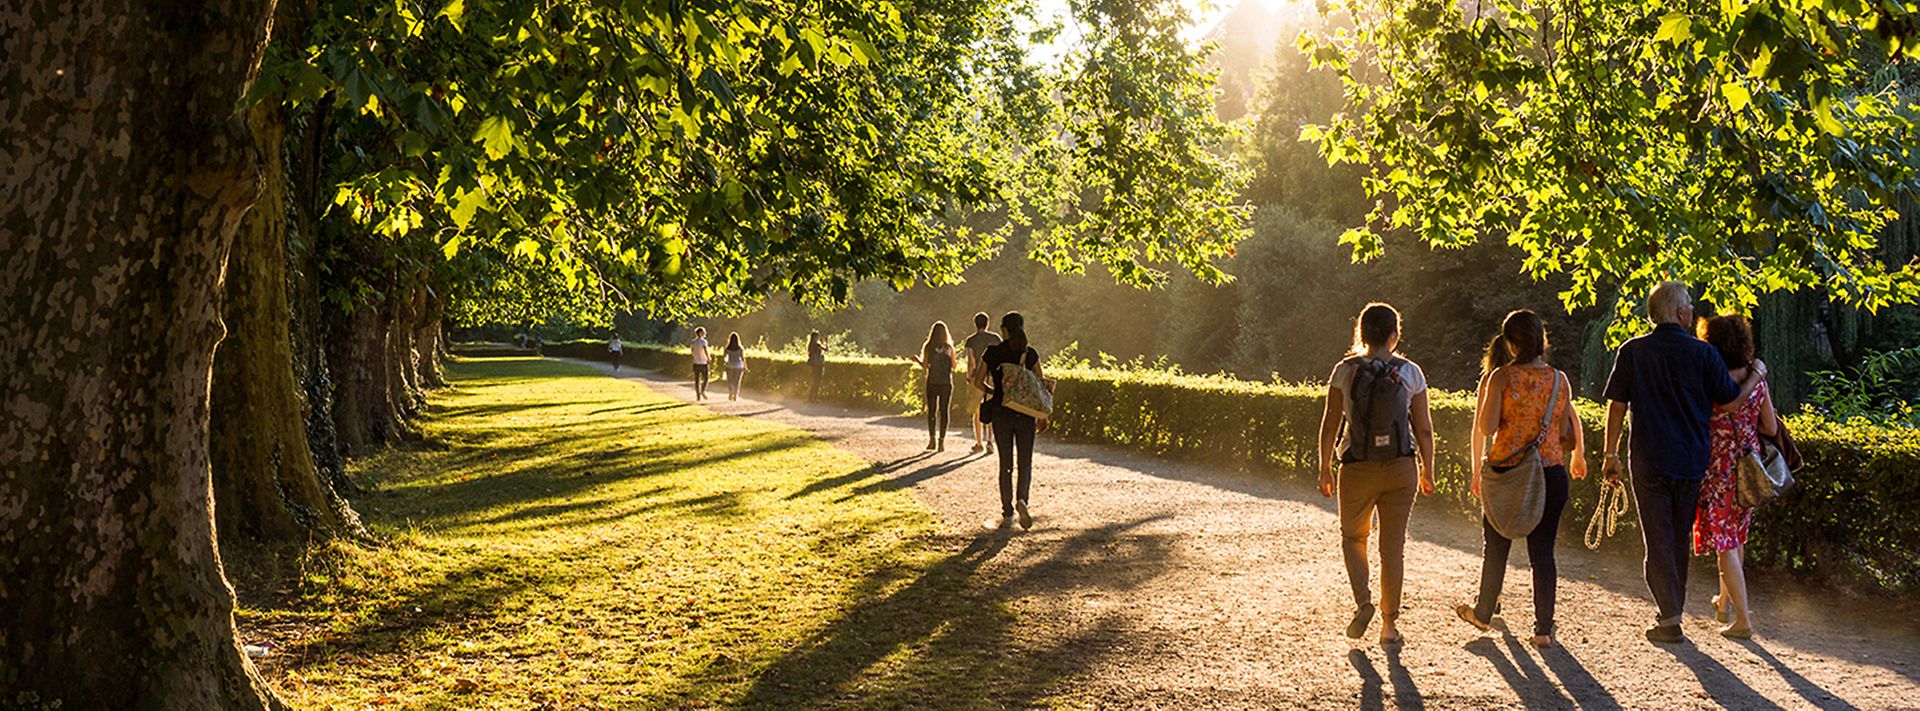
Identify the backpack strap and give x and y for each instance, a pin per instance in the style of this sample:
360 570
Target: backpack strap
1546 422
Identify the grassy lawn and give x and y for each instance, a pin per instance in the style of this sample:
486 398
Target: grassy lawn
567 540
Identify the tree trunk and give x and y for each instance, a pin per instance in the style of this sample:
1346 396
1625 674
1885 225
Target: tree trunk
428 347
266 486
127 172
403 390
310 331
357 357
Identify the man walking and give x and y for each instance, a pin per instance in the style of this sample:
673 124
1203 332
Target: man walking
1671 382
613 350
702 362
977 344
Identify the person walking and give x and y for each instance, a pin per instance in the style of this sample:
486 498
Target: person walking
1378 423
736 357
1720 530
1671 383
977 344
817 361
702 362
613 350
1014 430
936 358
1519 394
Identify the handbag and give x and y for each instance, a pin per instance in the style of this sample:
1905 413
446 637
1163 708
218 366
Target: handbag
1763 476
1022 391
1514 496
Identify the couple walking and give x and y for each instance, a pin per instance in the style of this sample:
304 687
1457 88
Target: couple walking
1379 426
986 352
735 358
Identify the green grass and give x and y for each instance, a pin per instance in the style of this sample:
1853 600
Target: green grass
567 540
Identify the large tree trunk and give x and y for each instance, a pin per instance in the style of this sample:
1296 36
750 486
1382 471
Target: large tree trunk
126 172
306 180
426 339
266 486
357 357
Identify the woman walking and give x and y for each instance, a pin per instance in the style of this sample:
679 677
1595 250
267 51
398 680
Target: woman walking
1524 403
1721 527
736 358
1377 422
613 350
936 357
1013 430
817 362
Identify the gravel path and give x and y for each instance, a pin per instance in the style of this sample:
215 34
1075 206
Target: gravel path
1148 582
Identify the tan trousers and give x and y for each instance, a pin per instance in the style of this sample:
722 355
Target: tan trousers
1388 487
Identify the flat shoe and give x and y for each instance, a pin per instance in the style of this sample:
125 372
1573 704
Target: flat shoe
1719 612
1466 613
1361 618
1731 633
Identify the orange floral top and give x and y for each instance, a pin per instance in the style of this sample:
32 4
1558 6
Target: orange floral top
1521 407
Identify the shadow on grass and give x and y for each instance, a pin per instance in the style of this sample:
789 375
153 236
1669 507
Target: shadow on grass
947 635
875 469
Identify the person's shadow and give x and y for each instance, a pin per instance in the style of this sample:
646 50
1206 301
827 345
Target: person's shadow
1372 688
1813 693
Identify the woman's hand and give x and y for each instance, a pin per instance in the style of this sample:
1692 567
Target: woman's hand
1474 486
1326 481
1578 467
1040 427
1426 483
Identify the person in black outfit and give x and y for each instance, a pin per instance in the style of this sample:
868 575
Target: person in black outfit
1013 430
936 357
817 362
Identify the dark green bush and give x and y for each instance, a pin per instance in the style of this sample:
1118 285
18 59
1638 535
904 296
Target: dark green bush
1851 517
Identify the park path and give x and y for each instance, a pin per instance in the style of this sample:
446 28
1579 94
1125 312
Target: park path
1172 584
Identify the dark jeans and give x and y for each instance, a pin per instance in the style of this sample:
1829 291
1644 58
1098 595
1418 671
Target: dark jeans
1014 432
701 372
819 373
615 357
1493 566
939 409
1667 509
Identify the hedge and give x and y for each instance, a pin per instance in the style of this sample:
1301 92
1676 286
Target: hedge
1851 518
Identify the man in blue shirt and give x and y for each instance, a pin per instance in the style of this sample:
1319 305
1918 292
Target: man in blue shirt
1671 382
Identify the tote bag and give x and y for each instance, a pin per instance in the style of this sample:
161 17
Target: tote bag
1513 493
1023 392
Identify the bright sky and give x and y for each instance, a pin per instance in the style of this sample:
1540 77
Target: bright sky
1205 13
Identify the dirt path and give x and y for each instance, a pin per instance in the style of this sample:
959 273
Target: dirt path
1162 583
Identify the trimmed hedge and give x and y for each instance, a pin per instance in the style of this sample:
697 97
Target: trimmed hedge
1852 517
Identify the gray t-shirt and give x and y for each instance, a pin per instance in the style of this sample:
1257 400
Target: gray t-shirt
980 341
1342 381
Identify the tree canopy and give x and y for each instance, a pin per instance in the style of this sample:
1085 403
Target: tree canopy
1747 146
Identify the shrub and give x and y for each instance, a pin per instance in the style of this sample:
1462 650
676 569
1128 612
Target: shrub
1848 518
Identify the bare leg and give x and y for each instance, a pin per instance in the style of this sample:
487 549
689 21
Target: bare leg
1733 583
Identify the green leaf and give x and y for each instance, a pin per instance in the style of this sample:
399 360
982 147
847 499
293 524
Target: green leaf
1674 27
496 136
1736 95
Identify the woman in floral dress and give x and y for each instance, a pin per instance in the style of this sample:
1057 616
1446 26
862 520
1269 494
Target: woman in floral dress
1721 527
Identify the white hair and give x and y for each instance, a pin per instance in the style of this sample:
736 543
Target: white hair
1666 301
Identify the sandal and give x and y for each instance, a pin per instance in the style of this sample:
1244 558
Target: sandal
1730 633
1394 640
1466 613
1361 618
1542 641
1719 611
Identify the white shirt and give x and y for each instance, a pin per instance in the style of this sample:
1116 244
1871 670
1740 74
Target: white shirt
614 345
700 356
1342 381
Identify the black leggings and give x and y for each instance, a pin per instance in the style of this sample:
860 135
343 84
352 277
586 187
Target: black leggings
1014 432
939 408
701 371
1493 568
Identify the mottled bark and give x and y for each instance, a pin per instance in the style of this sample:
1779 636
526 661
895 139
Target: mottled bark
357 358
124 172
429 349
266 485
305 184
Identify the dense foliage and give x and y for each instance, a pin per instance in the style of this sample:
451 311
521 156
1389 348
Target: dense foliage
1836 522
1748 147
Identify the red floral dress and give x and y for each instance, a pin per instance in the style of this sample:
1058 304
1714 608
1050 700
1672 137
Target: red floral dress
1722 523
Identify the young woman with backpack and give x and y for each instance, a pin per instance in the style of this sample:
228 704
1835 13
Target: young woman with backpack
936 357
1014 430
1525 406
736 357
1378 423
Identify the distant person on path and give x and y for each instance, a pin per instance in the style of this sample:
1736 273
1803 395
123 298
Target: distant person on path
1014 430
1721 528
613 350
936 358
1377 421
817 361
1671 382
702 362
977 344
736 364
1516 387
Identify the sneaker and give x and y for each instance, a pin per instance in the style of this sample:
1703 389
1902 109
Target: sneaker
1026 519
978 446
941 447
997 524
1666 634
989 448
931 444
